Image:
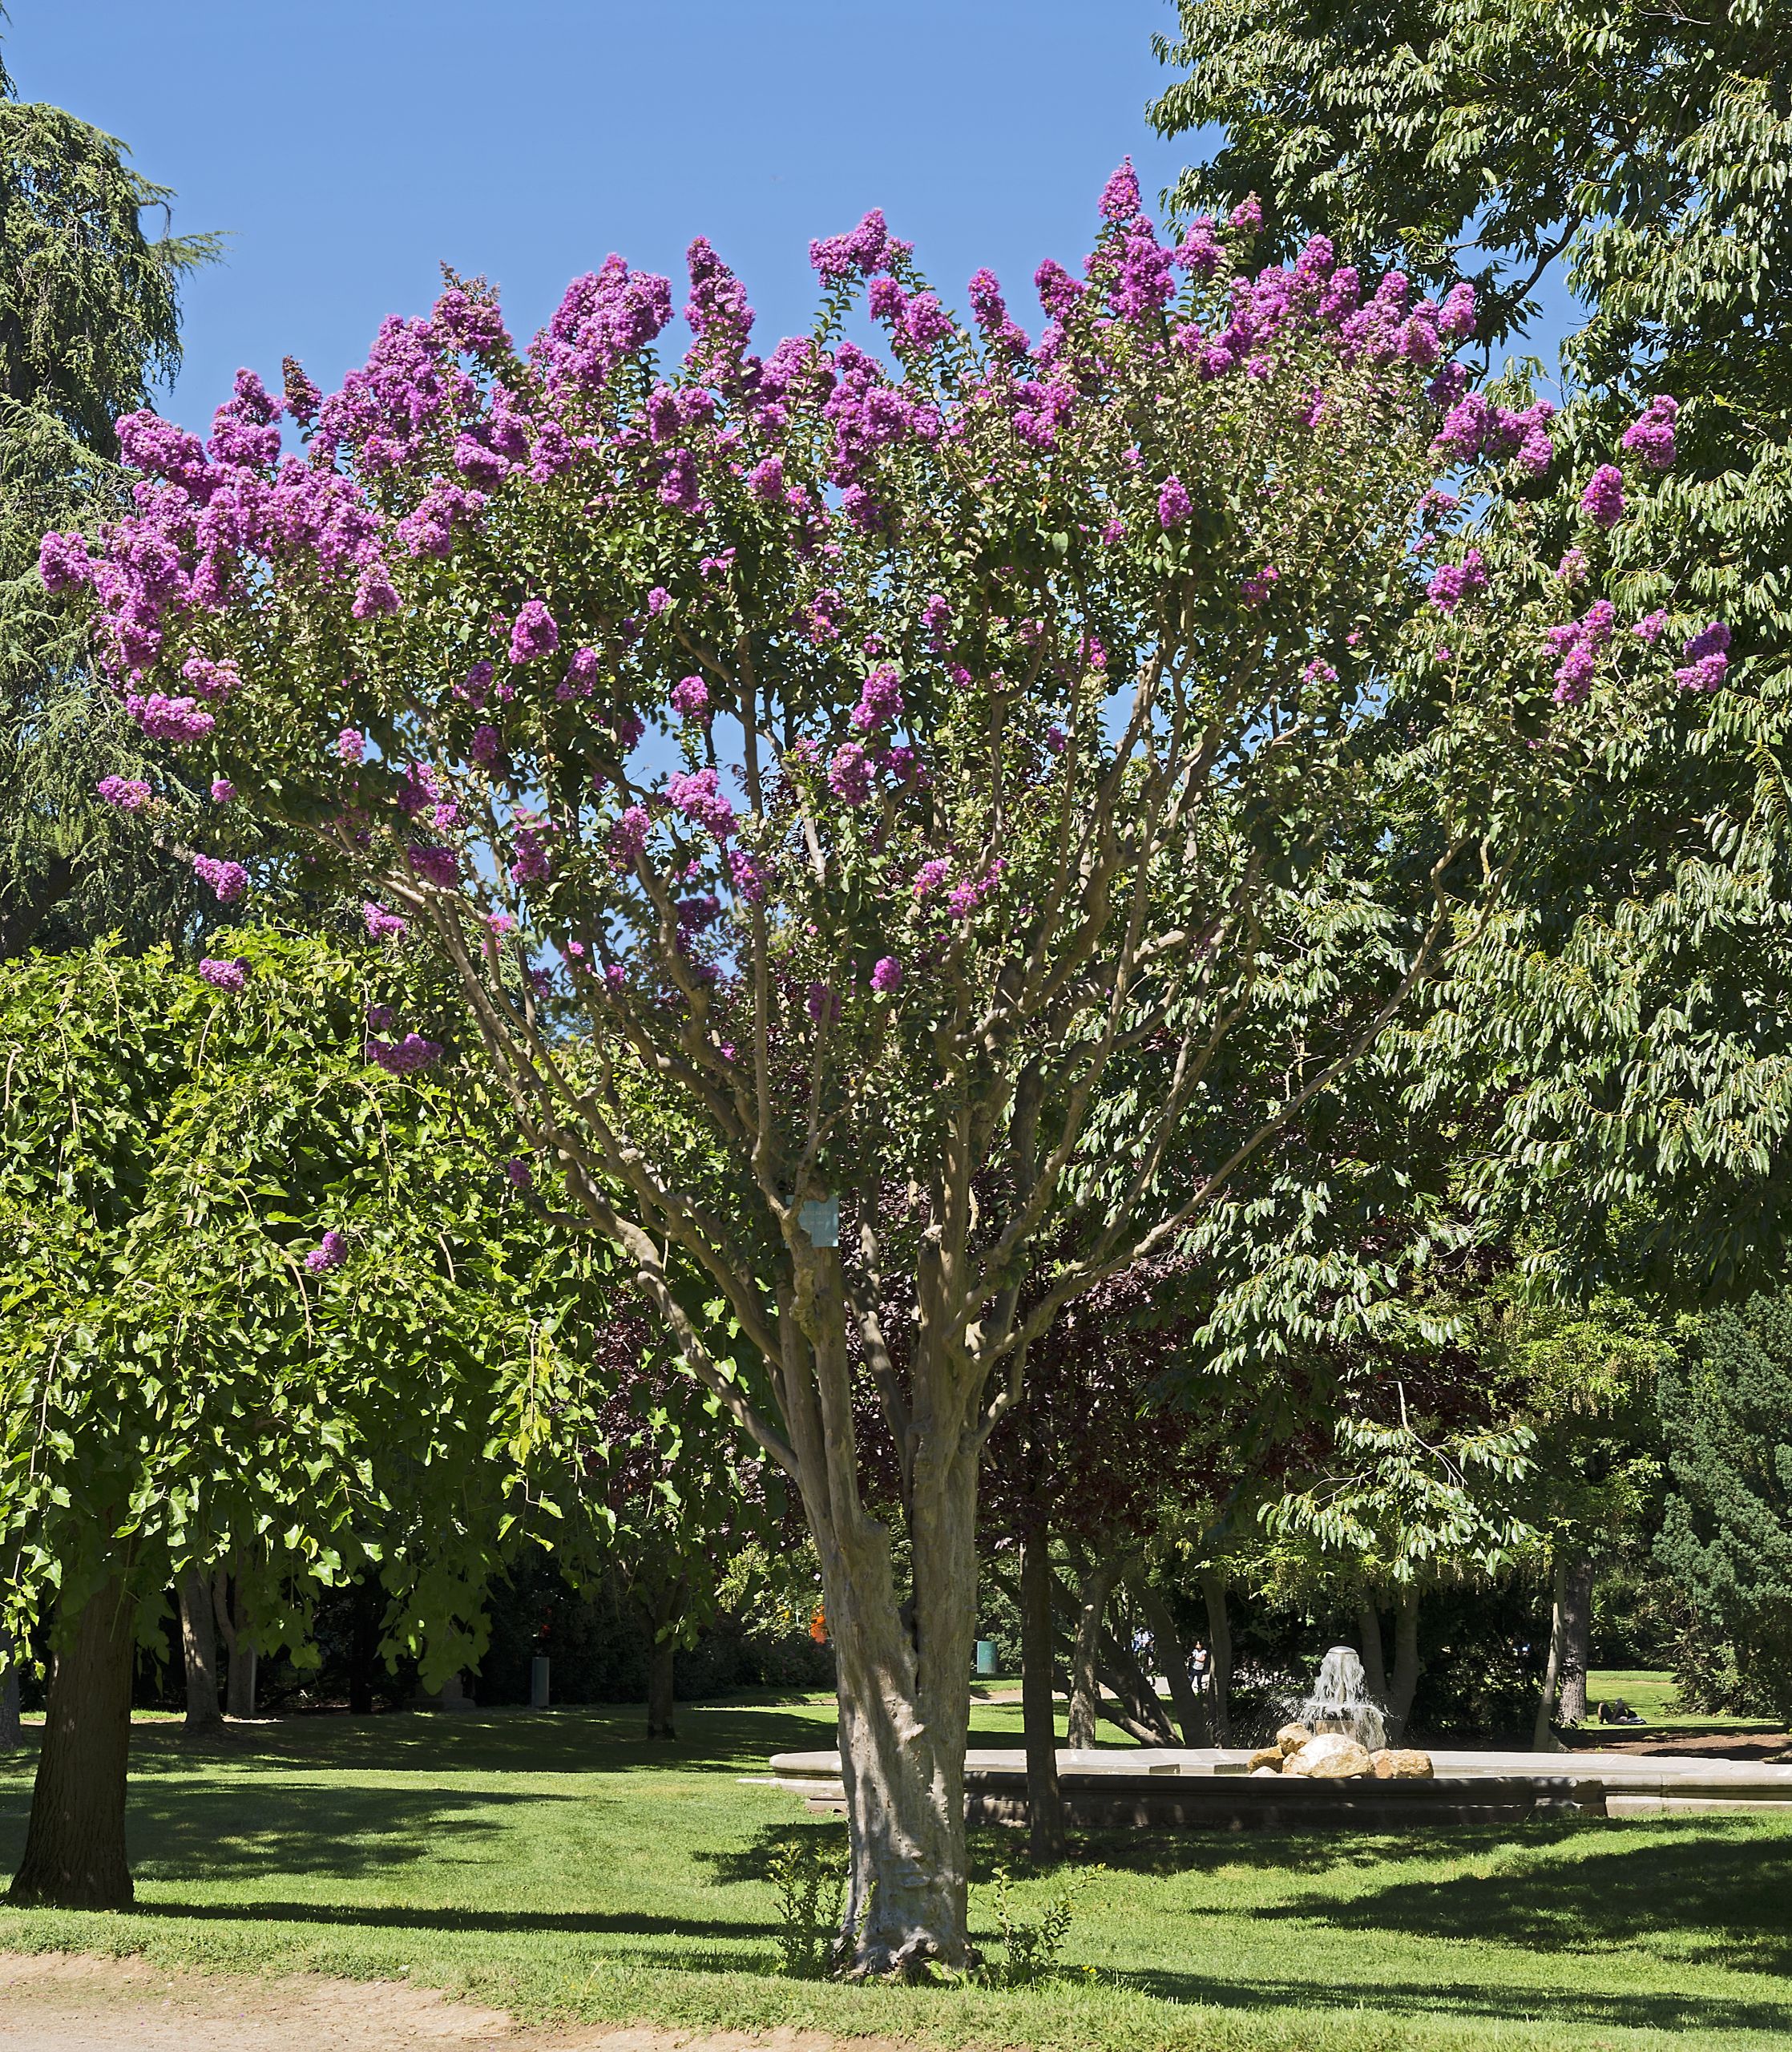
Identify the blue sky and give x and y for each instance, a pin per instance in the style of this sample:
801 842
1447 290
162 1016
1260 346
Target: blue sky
351 146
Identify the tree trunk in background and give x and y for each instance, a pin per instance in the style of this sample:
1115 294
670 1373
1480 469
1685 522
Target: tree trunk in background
660 1700
1219 1642
1191 1712
1543 1740
1406 1663
364 1644
1045 1809
1085 1681
1577 1632
228 1607
74 1856
1374 1667
198 1642
11 1734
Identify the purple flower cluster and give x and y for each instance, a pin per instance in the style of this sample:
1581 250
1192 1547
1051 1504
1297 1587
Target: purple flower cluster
434 862
404 1057
627 837
128 793
880 699
690 698
1473 428
989 311
1650 437
533 632
859 253
1709 662
887 976
1453 582
530 864
177 720
849 773
381 923
429 529
223 792
224 975
229 880
1603 500
603 318
964 897
351 744
330 1252
695 794
1579 643
1174 505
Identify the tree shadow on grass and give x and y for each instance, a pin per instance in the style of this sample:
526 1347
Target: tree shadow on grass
380 1916
609 1739
1725 1898
1665 2010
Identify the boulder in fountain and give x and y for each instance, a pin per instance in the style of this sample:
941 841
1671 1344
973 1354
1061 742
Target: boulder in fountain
1266 1759
1332 1756
1404 1763
1292 1737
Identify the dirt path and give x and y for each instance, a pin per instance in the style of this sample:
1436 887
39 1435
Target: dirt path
78 2002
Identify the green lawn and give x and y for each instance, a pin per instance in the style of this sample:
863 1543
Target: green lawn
560 1867
1651 1692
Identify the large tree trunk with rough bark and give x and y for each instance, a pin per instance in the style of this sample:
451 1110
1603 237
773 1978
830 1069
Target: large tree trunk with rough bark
1374 1665
1577 1631
230 1607
664 1610
364 1644
1406 1663
1097 1585
1045 1809
12 1735
1219 1640
198 1643
1191 1712
75 1853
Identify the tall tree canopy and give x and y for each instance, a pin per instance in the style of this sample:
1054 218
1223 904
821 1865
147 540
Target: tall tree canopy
1643 149
89 324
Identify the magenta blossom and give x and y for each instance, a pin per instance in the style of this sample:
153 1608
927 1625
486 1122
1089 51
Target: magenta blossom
690 698
887 976
1173 503
1650 437
1603 500
330 1252
382 924
229 880
128 793
223 790
224 975
404 1057
534 633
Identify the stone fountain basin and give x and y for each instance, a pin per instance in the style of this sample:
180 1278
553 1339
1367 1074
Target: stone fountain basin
1208 1789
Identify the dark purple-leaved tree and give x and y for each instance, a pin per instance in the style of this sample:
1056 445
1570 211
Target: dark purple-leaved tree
944 810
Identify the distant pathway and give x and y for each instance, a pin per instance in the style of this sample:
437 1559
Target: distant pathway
81 2002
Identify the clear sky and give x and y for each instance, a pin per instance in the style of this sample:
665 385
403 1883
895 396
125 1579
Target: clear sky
350 147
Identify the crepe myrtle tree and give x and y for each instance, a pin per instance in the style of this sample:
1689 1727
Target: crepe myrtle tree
1020 775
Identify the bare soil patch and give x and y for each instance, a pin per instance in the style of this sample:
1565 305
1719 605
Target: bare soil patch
83 2002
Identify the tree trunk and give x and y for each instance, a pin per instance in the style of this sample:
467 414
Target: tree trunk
12 1735
1191 1712
364 1644
1543 1740
198 1642
659 1693
1219 1640
1045 1809
1085 1681
1125 1674
1374 1667
1406 1663
230 1608
75 1855
1577 1631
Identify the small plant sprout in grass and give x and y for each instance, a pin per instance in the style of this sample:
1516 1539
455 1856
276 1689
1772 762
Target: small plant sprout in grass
810 1874
1030 1950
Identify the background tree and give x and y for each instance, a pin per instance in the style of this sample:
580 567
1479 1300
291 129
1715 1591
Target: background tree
1726 1535
1636 152
1106 793
89 325
252 1322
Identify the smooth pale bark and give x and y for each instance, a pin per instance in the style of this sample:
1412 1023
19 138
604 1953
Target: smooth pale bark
199 1644
1191 1712
1045 1809
1085 1680
1219 1642
1543 1738
75 1853
12 1735
1374 1665
1577 1631
1406 1663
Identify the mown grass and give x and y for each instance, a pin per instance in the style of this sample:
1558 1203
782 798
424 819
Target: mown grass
562 1868
1652 1693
